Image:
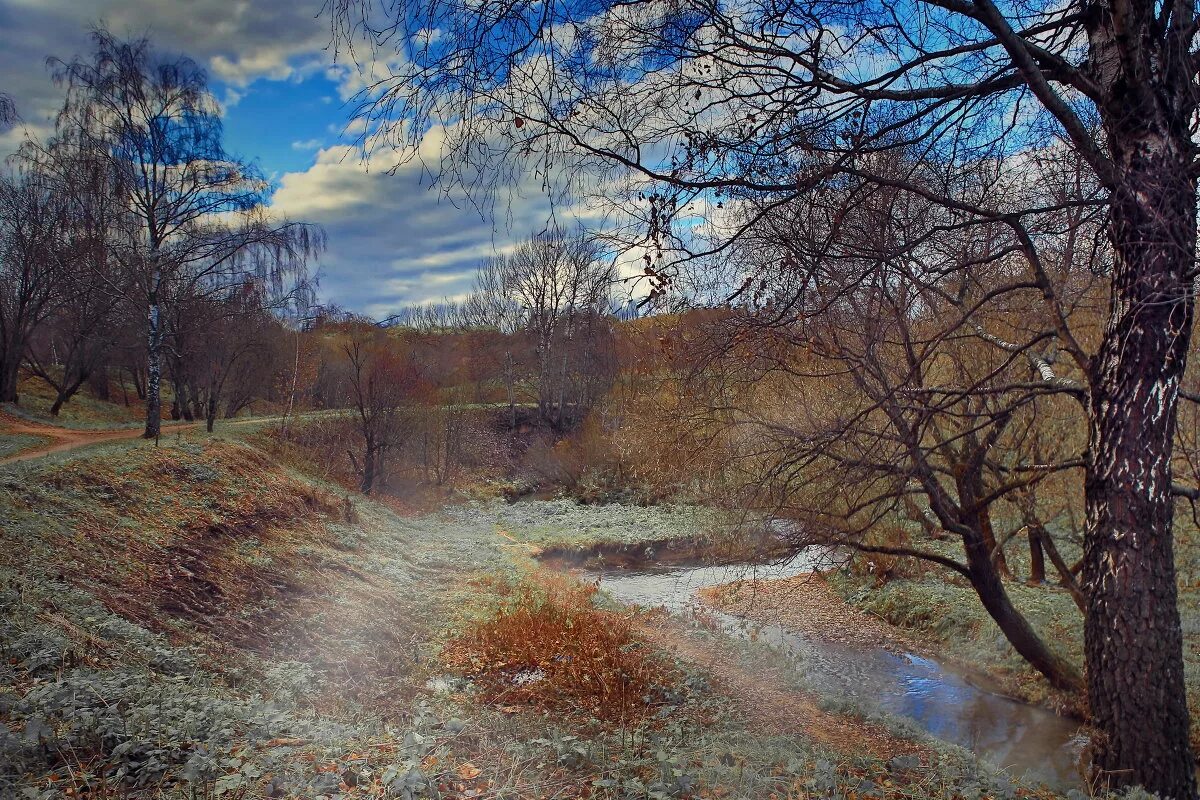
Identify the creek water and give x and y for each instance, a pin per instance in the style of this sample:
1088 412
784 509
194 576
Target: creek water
953 704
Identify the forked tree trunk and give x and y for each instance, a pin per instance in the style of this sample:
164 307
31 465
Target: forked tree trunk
1133 641
181 406
64 393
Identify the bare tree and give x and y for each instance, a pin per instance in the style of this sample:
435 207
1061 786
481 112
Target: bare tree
492 305
712 104
381 381
200 210
35 239
8 112
85 326
552 287
862 395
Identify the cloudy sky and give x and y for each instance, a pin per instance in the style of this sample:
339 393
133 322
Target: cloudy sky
392 239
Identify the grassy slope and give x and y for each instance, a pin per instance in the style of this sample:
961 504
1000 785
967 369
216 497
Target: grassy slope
83 411
13 443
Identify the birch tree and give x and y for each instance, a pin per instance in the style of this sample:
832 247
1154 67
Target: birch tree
200 210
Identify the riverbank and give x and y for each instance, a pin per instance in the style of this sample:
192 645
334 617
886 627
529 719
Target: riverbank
813 605
806 604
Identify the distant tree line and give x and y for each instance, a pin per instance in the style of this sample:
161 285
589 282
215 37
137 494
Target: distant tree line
535 337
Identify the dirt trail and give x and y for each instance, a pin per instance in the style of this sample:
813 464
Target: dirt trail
66 439
760 695
61 439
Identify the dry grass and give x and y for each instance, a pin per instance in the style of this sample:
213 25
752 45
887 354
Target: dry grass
215 539
806 604
549 647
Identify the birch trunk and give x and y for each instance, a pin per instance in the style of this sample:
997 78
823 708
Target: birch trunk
1133 640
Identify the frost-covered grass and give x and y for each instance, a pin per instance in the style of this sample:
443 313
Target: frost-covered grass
13 443
318 684
567 523
92 700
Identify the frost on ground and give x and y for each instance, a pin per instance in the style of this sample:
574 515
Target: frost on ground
566 522
197 621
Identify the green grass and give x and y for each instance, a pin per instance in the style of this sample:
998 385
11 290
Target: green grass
83 411
13 443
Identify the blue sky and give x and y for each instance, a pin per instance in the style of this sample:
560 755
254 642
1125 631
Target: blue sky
392 241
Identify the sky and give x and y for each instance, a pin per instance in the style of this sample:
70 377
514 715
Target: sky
393 239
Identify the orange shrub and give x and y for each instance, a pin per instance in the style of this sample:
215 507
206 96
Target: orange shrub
548 646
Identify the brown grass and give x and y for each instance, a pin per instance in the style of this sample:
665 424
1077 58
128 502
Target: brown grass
215 539
549 647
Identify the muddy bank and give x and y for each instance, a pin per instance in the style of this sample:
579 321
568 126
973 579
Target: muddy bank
761 696
805 604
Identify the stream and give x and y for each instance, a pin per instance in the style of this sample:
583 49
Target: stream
951 703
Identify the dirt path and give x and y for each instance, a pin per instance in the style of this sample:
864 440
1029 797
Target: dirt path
66 439
61 439
761 697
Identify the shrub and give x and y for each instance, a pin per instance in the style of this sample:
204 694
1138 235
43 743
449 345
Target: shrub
547 645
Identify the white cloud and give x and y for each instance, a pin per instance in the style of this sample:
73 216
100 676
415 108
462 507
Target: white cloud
394 241
238 41
307 144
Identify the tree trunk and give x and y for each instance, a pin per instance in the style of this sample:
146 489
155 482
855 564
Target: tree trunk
98 382
368 476
139 385
1133 640
210 417
1037 558
65 393
987 583
181 408
10 371
989 540
1066 577
510 384
153 372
